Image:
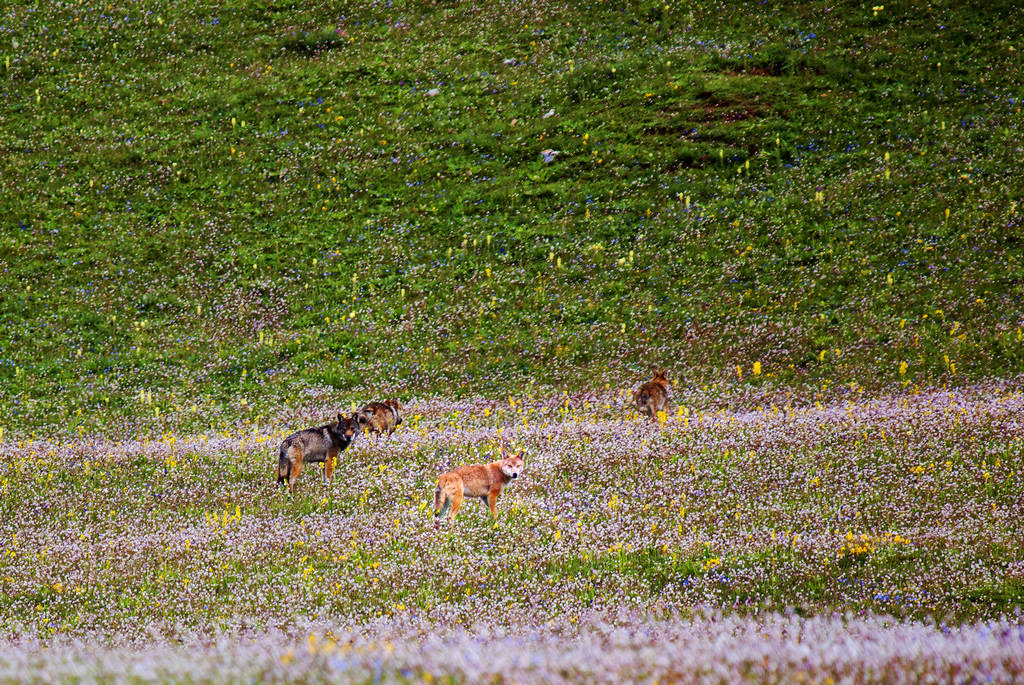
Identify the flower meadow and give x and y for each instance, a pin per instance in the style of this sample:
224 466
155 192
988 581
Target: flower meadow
603 649
221 223
893 520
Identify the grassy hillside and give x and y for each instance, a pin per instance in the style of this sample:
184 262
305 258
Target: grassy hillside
208 209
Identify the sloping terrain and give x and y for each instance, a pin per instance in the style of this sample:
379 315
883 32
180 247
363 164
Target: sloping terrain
221 224
224 206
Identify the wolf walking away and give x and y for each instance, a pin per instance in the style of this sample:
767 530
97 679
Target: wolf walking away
380 417
652 396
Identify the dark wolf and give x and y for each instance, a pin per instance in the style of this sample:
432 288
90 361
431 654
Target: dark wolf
320 444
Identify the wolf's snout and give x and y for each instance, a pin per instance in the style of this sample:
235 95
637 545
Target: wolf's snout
515 475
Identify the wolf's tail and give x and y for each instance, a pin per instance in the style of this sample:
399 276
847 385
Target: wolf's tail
284 465
439 498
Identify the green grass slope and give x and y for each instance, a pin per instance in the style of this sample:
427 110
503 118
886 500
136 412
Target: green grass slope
205 209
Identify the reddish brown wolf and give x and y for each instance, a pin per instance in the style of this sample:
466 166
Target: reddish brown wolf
380 417
479 480
652 396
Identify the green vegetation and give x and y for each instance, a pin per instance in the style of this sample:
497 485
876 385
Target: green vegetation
221 206
219 224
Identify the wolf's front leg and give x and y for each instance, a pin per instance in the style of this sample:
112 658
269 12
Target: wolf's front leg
492 501
329 463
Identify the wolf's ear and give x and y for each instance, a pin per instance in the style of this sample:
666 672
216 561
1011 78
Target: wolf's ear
520 457
341 418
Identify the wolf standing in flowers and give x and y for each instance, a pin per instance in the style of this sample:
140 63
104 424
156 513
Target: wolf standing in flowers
380 417
322 443
477 480
652 396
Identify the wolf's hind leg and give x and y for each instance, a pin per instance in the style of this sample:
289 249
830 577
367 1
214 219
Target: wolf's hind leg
296 458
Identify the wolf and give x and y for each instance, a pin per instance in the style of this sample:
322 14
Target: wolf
652 396
478 480
380 417
322 443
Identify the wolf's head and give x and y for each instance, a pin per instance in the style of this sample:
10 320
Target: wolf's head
511 464
346 428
